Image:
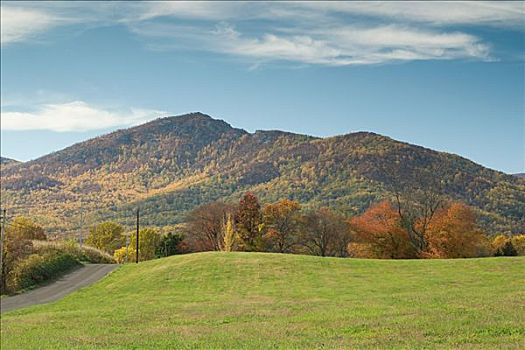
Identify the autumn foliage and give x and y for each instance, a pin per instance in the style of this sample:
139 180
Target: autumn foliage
249 223
282 220
378 234
452 232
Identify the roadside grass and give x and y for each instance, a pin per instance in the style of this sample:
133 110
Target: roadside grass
265 301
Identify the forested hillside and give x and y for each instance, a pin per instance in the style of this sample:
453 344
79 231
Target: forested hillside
171 165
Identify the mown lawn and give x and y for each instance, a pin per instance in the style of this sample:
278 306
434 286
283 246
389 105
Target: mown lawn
269 301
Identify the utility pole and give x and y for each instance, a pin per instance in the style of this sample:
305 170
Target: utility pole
80 238
2 234
127 247
137 240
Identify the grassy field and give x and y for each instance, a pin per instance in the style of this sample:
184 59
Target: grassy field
265 301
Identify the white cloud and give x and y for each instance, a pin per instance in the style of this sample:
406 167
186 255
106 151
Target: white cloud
343 45
74 116
326 33
497 13
19 24
193 9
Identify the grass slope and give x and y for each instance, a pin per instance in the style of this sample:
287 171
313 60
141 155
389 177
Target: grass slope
263 301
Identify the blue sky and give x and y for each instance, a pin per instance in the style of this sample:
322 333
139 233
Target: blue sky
448 76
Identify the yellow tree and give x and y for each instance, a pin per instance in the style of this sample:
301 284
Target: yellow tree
149 241
229 234
106 236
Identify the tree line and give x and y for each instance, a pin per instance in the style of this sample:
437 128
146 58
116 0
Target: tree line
397 229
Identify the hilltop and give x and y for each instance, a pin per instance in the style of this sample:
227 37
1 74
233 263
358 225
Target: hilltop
6 163
283 301
170 165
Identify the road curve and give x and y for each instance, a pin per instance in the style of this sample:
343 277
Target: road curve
66 284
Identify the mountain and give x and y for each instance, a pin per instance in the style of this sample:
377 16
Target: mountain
6 163
170 165
520 175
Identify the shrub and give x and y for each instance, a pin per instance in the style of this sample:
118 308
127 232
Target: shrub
36 269
120 255
95 256
518 242
502 246
13 251
84 253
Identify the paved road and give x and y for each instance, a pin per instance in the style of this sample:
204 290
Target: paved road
77 279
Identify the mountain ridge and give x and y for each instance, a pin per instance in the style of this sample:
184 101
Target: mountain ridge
170 165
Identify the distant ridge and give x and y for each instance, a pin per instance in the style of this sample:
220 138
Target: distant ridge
170 165
6 163
520 175
5 160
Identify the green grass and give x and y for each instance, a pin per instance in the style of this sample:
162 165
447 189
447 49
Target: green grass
269 301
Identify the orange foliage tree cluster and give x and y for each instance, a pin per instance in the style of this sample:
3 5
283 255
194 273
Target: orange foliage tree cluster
451 233
378 234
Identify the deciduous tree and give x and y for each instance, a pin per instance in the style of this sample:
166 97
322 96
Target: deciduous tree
282 220
453 233
106 236
168 245
149 242
249 223
325 233
24 228
417 196
204 228
379 234
229 234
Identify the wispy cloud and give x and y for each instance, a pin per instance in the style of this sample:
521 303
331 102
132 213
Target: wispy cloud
342 45
328 33
324 33
498 13
495 13
75 116
20 24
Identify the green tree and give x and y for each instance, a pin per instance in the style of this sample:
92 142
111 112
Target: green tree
149 241
107 236
168 245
